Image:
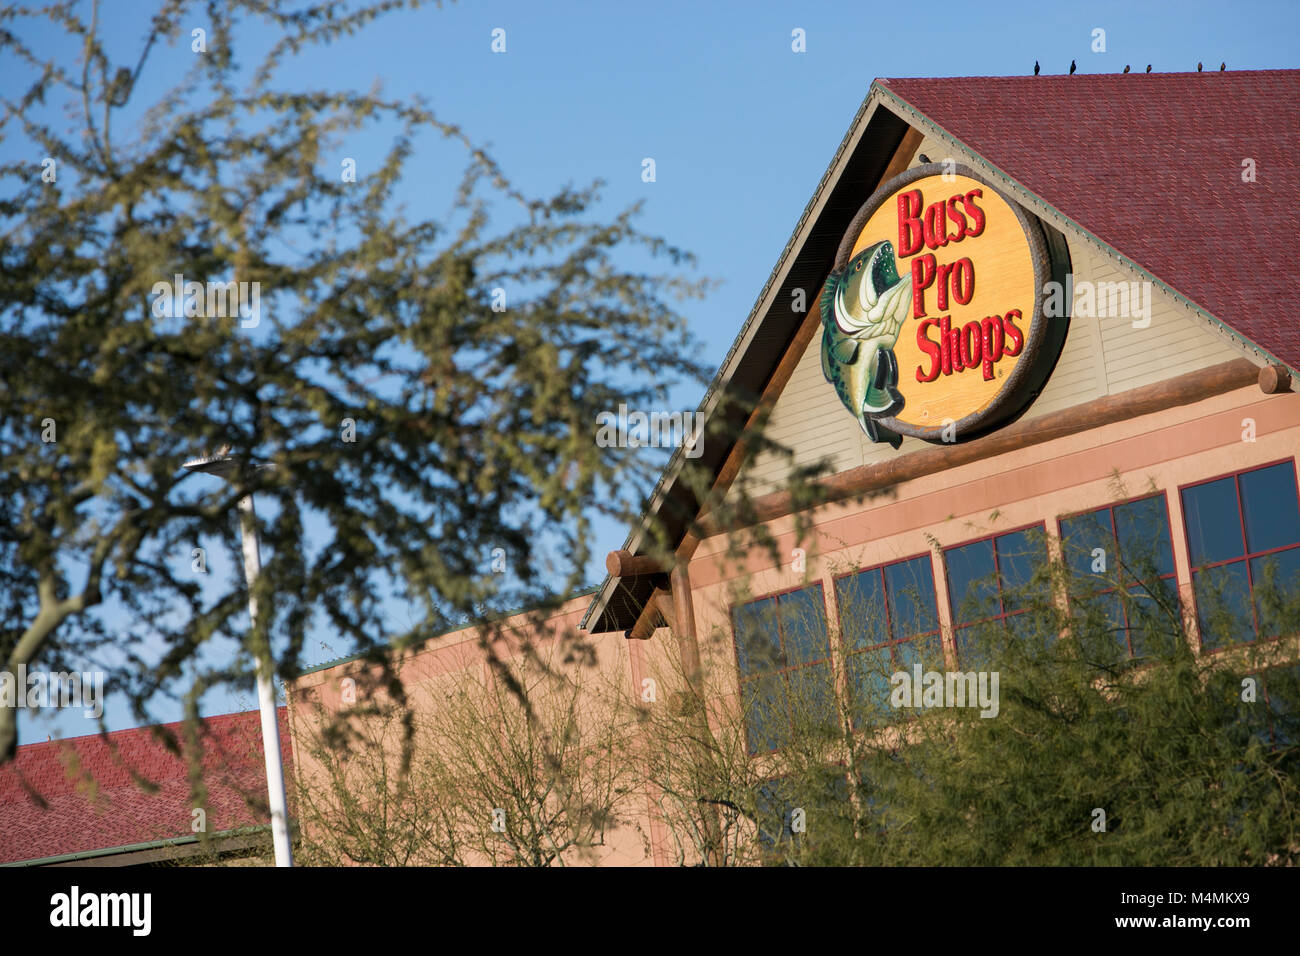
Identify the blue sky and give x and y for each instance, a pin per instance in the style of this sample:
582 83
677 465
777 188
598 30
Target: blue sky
741 128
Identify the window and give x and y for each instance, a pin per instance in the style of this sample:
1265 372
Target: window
1243 541
992 580
1124 548
889 623
783 656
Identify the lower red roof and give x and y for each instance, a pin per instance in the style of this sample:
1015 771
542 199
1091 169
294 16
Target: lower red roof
71 796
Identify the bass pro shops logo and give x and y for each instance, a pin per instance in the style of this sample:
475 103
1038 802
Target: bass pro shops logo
912 343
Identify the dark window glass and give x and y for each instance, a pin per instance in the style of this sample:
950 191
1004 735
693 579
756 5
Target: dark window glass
1142 528
1139 562
990 580
972 652
1151 611
1276 574
803 626
1020 555
775 814
1240 589
1270 507
890 622
765 720
862 610
910 588
972 581
783 655
812 700
869 673
1213 521
1082 535
760 648
926 651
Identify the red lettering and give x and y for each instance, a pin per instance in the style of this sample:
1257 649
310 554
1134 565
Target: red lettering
1014 335
993 338
956 216
951 347
930 348
973 345
976 214
972 340
922 278
910 230
943 285
936 226
963 281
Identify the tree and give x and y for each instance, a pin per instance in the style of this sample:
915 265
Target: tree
425 391
1111 743
471 773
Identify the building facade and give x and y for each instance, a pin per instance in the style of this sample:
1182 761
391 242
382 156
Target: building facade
1017 313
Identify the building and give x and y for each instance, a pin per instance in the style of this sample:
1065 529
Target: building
83 801
1012 303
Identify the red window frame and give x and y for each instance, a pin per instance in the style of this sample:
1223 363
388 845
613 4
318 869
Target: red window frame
1247 555
1003 614
741 679
1114 532
892 642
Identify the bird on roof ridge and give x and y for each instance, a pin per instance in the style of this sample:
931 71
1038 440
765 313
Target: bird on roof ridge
1125 67
1072 67
1035 68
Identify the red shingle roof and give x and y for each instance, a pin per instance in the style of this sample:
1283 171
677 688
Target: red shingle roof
116 811
1152 165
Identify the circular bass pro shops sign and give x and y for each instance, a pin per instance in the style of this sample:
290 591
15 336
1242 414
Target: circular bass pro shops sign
932 319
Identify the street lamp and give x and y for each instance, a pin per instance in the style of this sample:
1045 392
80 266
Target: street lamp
223 466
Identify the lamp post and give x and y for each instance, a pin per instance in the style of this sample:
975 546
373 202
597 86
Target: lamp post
223 466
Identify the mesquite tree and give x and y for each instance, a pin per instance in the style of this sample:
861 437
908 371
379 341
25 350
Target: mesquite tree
203 268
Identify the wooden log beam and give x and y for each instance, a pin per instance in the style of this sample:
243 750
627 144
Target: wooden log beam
658 609
1182 390
902 157
684 617
1274 379
625 564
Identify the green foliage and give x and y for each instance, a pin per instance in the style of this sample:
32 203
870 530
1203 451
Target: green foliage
1193 760
474 424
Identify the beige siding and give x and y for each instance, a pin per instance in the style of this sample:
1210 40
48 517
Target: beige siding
1101 356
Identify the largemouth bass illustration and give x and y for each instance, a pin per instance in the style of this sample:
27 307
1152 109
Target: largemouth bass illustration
864 306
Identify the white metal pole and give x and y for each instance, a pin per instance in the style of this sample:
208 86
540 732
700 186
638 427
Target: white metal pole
266 693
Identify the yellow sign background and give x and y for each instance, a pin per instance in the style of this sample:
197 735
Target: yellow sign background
1004 280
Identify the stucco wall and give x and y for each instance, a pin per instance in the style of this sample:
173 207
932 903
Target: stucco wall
1158 452
432 673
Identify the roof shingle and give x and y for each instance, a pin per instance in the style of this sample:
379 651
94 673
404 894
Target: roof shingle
1152 164
115 811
